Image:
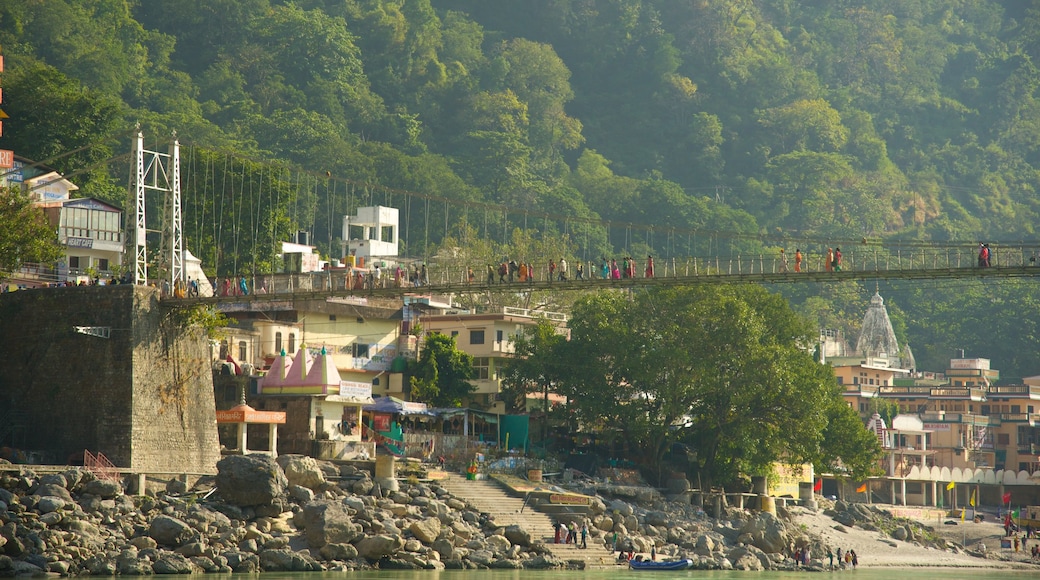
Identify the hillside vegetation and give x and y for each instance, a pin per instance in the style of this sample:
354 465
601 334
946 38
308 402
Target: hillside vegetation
771 124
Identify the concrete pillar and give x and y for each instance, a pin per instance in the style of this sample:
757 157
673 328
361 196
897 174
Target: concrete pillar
758 484
935 498
140 481
272 436
243 444
903 486
805 493
386 476
893 485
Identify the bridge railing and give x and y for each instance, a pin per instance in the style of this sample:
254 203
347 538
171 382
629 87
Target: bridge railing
858 259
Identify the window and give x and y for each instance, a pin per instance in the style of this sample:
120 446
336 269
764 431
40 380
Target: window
360 350
1003 438
292 342
476 337
841 380
278 343
454 333
102 264
855 380
1016 408
242 350
481 366
498 336
74 262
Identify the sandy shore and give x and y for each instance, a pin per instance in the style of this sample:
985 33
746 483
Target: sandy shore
877 551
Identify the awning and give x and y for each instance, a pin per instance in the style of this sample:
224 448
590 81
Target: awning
397 406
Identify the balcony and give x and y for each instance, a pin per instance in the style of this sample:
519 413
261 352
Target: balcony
972 393
1014 392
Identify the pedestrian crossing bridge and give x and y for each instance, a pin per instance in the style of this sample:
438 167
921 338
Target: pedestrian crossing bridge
867 264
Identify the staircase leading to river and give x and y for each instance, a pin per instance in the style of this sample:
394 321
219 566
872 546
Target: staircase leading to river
489 496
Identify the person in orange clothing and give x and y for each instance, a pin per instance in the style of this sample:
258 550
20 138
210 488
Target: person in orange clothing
798 260
828 264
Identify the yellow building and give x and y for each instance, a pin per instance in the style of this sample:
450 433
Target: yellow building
488 337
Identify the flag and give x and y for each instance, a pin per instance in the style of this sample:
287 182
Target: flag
819 485
862 488
971 501
951 485
1007 497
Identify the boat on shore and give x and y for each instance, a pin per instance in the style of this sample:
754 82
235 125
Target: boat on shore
663 565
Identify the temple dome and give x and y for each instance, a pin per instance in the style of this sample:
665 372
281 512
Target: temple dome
877 338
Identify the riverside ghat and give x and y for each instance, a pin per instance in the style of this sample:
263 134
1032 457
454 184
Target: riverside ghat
294 513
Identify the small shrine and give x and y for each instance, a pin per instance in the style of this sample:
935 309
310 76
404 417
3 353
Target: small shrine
310 383
243 415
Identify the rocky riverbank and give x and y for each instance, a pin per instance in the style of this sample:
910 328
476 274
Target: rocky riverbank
298 514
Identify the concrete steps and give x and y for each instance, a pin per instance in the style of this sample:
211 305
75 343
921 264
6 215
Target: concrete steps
489 496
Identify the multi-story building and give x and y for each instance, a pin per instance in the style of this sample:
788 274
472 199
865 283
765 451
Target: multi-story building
90 230
488 337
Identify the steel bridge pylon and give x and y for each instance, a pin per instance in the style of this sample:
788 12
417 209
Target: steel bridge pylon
158 172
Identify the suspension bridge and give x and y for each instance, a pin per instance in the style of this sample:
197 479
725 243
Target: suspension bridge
235 211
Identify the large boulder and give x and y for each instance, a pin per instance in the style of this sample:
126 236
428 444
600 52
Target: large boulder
378 546
518 536
427 530
765 532
53 490
303 471
327 522
250 480
103 488
169 531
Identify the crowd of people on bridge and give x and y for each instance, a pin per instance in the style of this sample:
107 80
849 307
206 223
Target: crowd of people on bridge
509 271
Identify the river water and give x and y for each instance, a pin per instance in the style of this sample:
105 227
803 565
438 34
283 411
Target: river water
626 574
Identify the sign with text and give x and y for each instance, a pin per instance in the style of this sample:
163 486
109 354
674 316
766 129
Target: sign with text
355 390
936 426
6 158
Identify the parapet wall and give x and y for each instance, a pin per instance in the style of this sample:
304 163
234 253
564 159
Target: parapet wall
143 396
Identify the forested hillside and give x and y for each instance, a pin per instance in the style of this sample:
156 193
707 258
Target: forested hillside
756 124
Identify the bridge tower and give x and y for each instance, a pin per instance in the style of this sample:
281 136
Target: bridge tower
159 172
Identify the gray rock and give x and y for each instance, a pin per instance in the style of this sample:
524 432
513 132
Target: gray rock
169 531
498 543
518 536
53 490
303 471
328 522
301 494
54 479
426 530
544 562
103 488
378 546
287 561
482 557
338 552
766 533
657 518
143 543
51 519
507 564
748 563
446 549
170 563
250 480
899 533
49 503
705 545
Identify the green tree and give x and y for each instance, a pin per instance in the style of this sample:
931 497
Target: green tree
726 370
441 375
25 234
538 365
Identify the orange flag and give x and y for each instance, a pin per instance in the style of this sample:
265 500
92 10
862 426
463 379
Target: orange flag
862 488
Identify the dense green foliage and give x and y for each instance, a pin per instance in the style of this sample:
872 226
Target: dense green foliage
729 126
722 370
441 375
25 235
